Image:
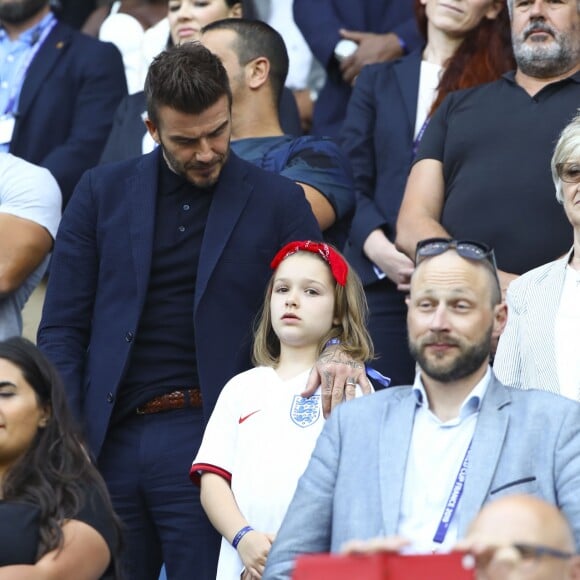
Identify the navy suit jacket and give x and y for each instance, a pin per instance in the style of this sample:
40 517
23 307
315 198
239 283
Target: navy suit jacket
67 104
320 20
100 271
378 138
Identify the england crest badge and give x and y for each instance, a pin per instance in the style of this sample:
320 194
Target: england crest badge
305 412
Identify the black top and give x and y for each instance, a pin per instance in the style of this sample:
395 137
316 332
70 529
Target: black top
19 529
74 12
163 357
495 143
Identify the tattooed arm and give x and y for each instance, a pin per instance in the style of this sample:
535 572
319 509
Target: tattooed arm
337 374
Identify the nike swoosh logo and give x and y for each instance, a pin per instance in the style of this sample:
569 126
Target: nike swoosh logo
242 419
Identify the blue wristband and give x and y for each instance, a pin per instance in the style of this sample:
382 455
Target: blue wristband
403 45
332 342
238 537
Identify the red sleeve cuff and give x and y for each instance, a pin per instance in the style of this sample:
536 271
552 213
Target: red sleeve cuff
198 468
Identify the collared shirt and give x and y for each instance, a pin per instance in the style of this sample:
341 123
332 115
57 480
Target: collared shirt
435 456
13 56
163 357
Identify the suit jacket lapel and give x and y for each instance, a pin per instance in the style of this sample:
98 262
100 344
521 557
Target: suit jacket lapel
544 299
47 56
486 448
407 73
229 199
394 445
141 191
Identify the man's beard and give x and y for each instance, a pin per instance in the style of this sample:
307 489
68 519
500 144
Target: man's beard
467 362
19 11
183 170
540 61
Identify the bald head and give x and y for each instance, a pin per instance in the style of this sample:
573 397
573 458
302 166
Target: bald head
524 519
446 262
452 319
529 521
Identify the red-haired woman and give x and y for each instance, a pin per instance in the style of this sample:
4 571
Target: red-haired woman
468 43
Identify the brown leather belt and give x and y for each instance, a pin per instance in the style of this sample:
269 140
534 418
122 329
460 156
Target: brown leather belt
171 401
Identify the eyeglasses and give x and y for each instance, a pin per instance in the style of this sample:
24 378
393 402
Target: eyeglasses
516 554
569 172
465 248
533 552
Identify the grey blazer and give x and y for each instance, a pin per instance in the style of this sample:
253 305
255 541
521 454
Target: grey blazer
526 356
524 442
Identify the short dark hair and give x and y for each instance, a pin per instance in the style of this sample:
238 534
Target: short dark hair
188 78
257 39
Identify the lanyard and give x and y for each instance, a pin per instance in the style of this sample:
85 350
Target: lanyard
453 501
21 73
379 377
419 136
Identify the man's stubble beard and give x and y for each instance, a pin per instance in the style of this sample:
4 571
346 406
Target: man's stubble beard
468 361
539 61
181 169
18 12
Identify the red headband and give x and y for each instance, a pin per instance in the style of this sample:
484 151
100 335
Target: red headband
338 265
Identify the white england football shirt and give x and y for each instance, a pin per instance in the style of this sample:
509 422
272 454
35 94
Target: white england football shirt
260 435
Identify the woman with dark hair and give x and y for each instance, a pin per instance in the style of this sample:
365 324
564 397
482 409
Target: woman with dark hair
468 43
56 520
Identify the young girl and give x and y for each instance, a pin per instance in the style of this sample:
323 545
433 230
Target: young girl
262 432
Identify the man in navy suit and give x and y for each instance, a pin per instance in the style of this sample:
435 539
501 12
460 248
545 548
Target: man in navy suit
158 271
344 36
59 91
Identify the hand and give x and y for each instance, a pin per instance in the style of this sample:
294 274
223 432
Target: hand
338 374
397 266
371 48
246 575
374 545
490 558
253 550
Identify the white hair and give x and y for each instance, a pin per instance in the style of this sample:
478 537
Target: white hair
567 147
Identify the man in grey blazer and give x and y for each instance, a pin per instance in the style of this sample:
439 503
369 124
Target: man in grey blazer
419 462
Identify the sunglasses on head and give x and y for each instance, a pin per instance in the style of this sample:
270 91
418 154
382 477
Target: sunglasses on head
465 248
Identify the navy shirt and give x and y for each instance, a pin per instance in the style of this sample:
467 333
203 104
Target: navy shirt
495 142
163 358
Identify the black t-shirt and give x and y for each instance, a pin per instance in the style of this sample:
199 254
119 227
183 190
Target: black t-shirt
495 142
20 533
